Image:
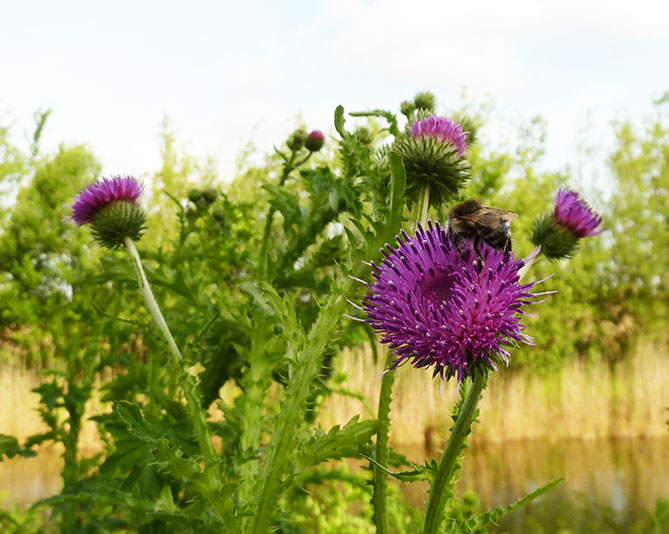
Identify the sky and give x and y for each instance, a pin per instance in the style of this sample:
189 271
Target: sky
228 72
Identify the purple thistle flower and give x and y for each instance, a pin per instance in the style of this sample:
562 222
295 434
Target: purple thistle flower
452 309
104 192
443 129
575 215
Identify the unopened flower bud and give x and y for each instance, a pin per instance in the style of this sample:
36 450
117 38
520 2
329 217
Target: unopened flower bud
194 195
210 195
218 213
296 140
425 101
407 108
314 141
363 135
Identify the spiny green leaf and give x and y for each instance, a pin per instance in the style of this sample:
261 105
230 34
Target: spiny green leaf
337 443
9 446
339 121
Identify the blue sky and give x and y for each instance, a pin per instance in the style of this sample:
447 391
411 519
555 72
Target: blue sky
225 72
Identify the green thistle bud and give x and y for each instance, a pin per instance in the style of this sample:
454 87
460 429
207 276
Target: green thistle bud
194 195
407 108
210 195
118 220
218 213
363 135
425 101
556 242
296 140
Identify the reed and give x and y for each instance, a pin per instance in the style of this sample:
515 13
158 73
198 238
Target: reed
19 415
581 401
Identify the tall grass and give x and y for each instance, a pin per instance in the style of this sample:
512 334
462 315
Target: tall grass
19 416
581 401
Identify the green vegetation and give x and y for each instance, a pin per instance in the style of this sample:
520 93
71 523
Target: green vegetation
253 279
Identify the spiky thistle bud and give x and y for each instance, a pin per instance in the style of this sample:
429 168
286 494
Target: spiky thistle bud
425 101
194 195
296 140
111 207
210 195
314 141
407 107
559 232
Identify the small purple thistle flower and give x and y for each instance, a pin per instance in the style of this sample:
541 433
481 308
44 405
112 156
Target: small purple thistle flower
92 199
575 215
453 309
112 209
443 129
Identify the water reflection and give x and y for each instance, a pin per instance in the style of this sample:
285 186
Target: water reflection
609 487
26 480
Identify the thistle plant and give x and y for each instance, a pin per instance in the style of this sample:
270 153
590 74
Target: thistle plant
255 299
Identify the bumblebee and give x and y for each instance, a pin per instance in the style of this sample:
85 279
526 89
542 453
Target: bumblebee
472 221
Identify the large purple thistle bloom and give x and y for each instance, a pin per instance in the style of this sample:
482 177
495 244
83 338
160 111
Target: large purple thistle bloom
443 129
94 197
439 306
575 215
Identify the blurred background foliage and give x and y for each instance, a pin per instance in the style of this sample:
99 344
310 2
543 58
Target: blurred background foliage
611 293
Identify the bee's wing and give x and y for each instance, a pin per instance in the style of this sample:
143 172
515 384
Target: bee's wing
507 215
492 217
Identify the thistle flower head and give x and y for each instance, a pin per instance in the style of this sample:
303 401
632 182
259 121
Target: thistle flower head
559 232
111 207
444 130
433 152
449 308
575 215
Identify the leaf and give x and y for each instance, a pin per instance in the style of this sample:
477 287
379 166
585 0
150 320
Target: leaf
339 121
390 117
337 443
9 446
495 515
287 203
420 472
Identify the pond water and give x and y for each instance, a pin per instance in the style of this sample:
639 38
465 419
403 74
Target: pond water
609 487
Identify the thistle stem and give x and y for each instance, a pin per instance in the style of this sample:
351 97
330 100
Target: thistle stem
194 405
309 358
382 451
423 205
264 245
380 477
438 493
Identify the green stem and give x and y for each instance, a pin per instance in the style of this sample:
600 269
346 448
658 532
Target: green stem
382 451
385 399
438 493
264 245
194 405
151 303
307 368
423 205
